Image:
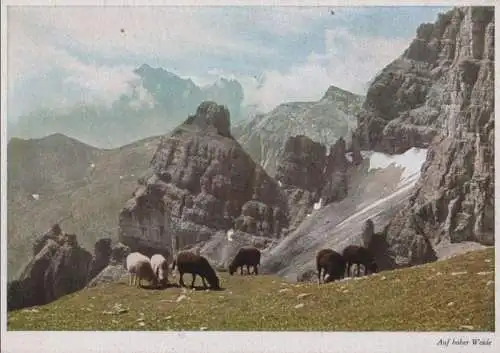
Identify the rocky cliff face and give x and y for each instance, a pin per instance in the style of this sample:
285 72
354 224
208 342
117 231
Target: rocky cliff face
58 268
440 94
309 175
201 180
101 258
324 121
300 174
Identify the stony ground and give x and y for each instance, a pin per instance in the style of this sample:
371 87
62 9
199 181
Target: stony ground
450 295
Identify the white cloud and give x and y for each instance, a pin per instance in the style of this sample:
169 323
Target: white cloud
31 55
349 62
100 83
141 97
150 31
28 54
44 39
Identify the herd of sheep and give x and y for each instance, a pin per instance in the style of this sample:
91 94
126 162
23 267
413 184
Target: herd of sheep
330 266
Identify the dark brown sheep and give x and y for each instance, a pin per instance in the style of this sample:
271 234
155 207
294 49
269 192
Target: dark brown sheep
187 262
359 255
246 256
332 263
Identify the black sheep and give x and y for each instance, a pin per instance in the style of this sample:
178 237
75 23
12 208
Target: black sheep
246 256
187 262
332 263
359 255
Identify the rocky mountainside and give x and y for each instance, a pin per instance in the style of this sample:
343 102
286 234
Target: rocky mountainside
310 177
440 94
376 189
56 178
432 108
323 121
201 181
156 102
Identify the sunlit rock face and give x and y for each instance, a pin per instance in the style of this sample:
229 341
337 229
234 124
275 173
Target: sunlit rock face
200 181
422 158
440 94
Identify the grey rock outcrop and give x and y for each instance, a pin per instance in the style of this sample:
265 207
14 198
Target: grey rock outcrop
116 269
41 240
300 174
308 175
59 268
200 181
354 149
335 175
119 254
301 164
102 253
367 233
440 94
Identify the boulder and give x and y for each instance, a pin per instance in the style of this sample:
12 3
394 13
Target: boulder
59 268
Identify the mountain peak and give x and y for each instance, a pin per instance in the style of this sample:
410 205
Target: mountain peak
144 67
146 70
334 92
212 114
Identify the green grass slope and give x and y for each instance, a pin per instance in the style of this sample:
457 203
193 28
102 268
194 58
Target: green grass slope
455 294
59 169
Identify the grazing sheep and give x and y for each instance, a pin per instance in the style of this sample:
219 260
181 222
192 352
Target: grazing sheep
332 263
187 262
246 256
359 255
160 268
139 268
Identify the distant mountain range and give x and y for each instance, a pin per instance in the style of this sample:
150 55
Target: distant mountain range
159 101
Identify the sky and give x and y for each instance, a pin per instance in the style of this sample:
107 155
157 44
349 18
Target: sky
59 55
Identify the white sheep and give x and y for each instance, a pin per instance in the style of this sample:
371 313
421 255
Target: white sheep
139 268
160 267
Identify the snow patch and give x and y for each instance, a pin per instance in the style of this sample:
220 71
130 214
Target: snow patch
36 196
411 162
280 184
92 165
366 154
229 235
348 156
318 204
376 203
